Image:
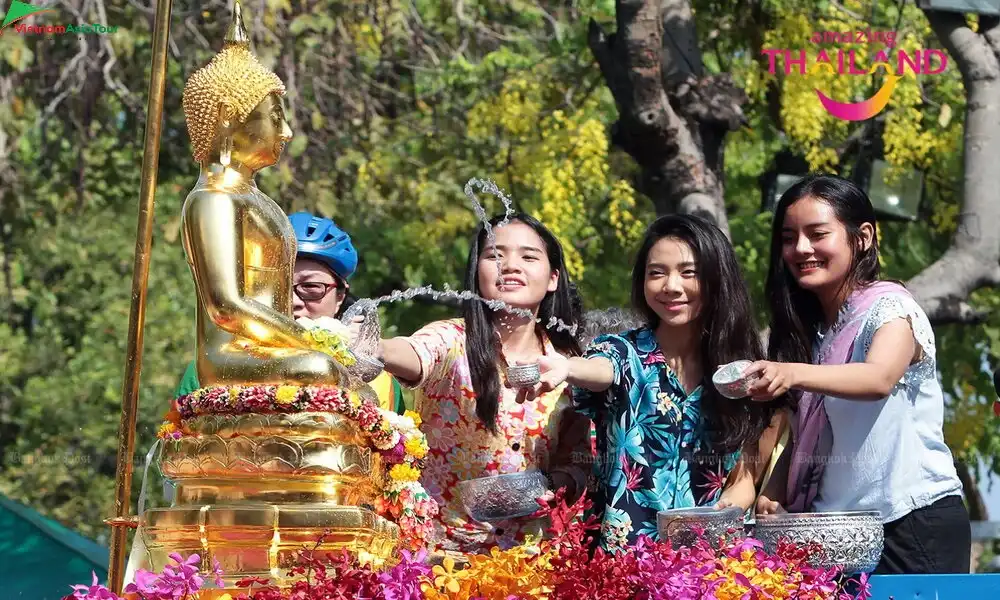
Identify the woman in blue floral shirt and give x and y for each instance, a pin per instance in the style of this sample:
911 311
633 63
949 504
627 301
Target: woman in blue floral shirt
665 437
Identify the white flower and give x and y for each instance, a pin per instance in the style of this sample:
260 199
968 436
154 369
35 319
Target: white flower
399 422
391 443
330 324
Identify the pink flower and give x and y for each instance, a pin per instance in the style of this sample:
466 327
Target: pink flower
402 582
653 358
217 572
369 416
511 461
396 455
714 483
439 436
177 582
144 584
864 588
253 399
533 415
94 591
633 475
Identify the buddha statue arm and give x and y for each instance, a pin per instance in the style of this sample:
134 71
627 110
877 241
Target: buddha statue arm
215 248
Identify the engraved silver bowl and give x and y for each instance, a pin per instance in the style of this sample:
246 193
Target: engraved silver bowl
730 382
851 539
683 526
520 376
366 368
502 497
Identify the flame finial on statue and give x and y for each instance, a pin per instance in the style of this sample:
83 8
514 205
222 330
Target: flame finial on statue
237 34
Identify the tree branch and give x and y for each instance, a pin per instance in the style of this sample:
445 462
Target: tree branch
674 131
973 259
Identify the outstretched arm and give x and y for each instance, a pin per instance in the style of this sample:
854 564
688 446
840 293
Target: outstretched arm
773 496
401 360
740 490
892 351
595 374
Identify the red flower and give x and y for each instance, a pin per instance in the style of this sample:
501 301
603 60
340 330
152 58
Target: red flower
633 475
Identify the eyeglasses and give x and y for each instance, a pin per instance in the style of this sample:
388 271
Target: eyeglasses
311 291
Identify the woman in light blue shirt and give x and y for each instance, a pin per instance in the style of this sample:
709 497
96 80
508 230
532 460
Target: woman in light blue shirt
859 356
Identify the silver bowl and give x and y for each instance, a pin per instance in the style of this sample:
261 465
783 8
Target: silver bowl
683 526
851 539
366 368
502 497
520 376
730 382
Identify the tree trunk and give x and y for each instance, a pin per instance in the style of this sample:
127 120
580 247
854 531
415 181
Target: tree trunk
973 260
672 118
973 497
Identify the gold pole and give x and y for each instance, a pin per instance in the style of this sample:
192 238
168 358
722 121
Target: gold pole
137 315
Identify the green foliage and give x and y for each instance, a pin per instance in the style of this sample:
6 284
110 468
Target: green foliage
395 106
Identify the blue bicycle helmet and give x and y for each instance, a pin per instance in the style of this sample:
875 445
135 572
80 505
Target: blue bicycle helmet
321 240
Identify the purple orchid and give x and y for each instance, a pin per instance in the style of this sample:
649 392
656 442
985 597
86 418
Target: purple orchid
180 581
217 572
94 591
402 582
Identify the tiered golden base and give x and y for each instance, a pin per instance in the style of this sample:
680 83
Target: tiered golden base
253 490
261 540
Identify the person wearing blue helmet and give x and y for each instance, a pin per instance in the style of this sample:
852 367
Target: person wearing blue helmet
325 261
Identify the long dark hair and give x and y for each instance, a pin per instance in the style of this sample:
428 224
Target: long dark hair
481 344
728 329
796 313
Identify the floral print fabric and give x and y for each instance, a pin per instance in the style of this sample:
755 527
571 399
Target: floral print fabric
652 450
541 434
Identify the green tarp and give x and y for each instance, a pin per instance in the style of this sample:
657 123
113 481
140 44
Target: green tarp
41 558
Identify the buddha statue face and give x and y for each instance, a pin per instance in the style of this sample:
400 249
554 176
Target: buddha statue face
259 141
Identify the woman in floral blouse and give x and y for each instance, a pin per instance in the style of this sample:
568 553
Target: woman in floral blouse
666 438
475 424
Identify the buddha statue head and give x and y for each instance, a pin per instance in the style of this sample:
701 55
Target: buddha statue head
232 106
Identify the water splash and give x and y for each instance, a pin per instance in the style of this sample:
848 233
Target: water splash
487 186
370 332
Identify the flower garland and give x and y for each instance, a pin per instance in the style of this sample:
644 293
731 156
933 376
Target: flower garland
397 438
559 568
329 336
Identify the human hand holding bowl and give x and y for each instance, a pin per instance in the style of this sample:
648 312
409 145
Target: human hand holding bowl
773 379
766 506
553 371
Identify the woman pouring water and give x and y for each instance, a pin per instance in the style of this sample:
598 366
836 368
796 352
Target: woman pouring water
666 438
474 423
859 354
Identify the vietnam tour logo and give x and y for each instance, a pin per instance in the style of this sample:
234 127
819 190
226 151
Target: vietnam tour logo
19 11
895 63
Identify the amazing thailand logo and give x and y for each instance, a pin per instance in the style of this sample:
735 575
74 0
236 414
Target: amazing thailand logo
842 61
19 11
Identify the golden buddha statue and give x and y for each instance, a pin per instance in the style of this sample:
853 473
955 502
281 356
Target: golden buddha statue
253 484
239 243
